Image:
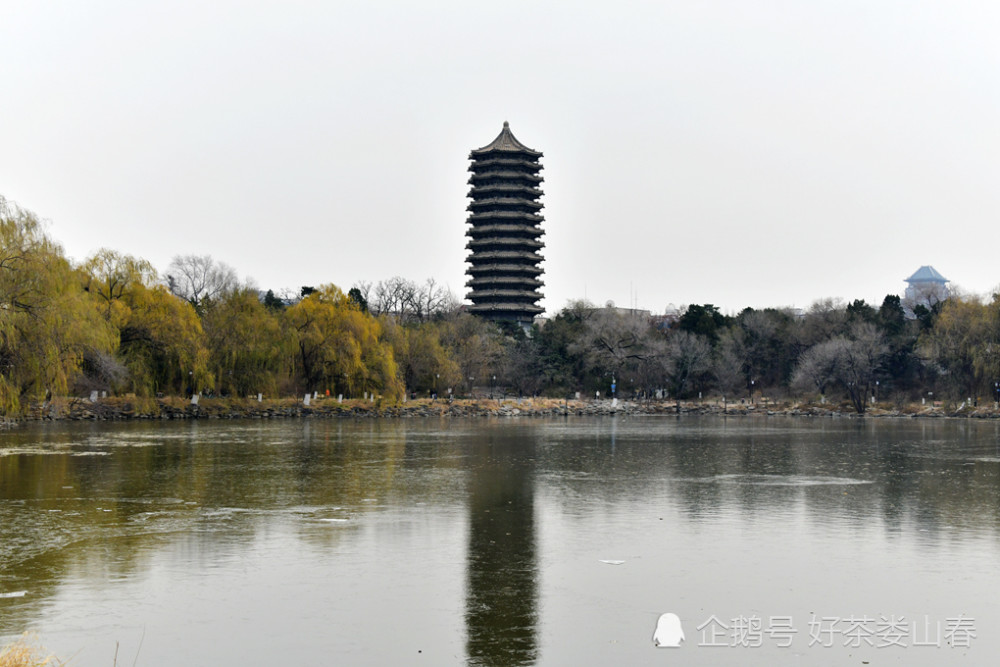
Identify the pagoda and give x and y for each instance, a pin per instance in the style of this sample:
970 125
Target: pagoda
504 231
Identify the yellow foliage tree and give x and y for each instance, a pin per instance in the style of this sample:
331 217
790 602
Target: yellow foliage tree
47 324
964 343
246 345
425 364
341 348
160 335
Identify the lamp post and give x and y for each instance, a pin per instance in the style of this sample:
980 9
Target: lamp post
996 387
752 383
493 386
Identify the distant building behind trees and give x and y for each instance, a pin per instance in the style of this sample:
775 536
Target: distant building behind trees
926 287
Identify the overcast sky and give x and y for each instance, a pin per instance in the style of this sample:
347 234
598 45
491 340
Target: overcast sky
736 153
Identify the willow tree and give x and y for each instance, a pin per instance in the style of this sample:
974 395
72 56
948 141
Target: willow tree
246 345
159 334
340 348
423 361
964 345
47 325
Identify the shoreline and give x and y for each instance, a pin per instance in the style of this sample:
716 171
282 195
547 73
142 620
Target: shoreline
132 409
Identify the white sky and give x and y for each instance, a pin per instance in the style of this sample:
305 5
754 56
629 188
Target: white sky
696 151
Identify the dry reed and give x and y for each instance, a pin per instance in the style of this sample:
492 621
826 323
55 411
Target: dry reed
26 652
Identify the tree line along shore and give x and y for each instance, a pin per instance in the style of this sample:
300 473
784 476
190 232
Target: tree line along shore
112 325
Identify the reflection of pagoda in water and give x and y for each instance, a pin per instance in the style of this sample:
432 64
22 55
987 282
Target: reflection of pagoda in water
504 219
501 613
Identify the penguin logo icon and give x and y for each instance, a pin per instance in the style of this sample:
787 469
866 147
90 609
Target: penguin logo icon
668 633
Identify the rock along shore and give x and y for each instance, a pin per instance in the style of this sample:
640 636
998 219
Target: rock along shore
131 408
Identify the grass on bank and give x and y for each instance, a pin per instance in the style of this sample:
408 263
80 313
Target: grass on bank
26 652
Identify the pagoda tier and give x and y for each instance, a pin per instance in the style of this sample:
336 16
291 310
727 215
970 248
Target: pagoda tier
480 217
498 269
504 230
515 177
507 281
486 229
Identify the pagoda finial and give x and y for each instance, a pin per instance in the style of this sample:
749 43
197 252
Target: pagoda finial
506 125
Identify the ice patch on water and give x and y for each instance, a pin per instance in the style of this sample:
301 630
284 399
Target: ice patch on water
612 562
38 451
334 520
14 594
777 480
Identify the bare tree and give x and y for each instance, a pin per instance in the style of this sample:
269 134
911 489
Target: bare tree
406 300
727 366
819 366
853 363
199 278
688 357
613 339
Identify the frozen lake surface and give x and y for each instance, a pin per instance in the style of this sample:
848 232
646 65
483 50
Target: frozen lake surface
517 542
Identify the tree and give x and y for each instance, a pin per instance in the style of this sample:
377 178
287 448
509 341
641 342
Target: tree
339 347
272 302
474 344
405 299
422 359
686 360
859 311
727 365
355 295
109 275
704 320
767 346
613 340
161 342
247 349
852 363
159 334
564 368
199 278
963 345
47 324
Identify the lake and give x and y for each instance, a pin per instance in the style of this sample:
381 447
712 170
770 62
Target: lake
774 541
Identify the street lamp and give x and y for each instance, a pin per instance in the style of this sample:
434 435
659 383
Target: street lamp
752 383
493 385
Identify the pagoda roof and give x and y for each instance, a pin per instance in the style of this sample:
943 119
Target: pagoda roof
510 162
476 204
927 274
478 217
505 142
529 231
500 241
501 175
516 256
487 308
492 281
505 269
483 191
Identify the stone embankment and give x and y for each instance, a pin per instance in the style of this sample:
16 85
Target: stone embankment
131 408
